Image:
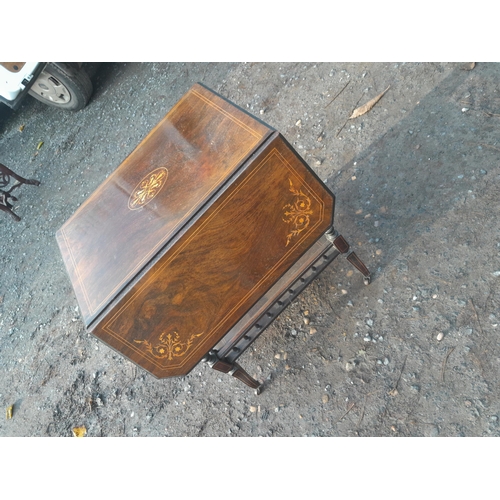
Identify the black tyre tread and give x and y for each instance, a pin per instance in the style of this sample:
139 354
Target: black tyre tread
77 82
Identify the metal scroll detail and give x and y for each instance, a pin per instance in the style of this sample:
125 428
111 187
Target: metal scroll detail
170 345
297 213
148 188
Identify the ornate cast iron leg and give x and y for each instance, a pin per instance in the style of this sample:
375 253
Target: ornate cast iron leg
233 369
5 175
343 247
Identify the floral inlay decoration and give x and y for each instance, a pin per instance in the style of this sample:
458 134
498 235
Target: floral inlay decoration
297 213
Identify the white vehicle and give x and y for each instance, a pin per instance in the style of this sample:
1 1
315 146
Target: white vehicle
61 85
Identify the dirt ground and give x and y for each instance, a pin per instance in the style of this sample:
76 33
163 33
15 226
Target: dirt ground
416 181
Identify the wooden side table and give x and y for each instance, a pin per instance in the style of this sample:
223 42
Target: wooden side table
199 239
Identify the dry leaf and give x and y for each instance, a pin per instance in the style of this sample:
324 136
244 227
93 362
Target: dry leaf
79 432
9 412
40 144
369 105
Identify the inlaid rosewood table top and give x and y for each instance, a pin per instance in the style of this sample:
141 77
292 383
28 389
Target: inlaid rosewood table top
178 244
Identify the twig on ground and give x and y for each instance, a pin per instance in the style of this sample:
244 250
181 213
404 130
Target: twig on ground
489 113
445 361
362 414
338 93
348 410
394 390
477 317
488 146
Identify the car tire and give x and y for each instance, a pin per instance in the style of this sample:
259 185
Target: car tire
63 86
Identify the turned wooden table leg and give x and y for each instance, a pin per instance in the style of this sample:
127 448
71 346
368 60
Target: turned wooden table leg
343 247
233 369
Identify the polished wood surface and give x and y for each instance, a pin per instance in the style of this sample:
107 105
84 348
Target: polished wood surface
271 214
205 216
154 194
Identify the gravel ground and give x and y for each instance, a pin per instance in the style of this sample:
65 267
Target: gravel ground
416 181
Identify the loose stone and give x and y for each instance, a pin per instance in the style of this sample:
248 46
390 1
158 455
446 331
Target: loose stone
349 366
440 336
325 398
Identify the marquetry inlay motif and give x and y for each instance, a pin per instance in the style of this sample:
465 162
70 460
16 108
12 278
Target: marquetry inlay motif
297 213
148 188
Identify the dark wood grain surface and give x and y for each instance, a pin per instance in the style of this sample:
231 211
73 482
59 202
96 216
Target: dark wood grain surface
244 242
203 218
176 168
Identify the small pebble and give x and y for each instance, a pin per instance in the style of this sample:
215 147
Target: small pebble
306 313
393 428
440 336
344 292
386 361
369 322
253 409
464 110
349 366
306 321
467 403
353 178
367 338
325 398
379 252
277 356
312 331
293 332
